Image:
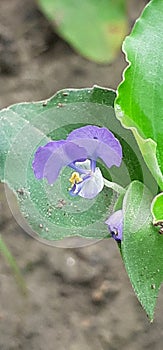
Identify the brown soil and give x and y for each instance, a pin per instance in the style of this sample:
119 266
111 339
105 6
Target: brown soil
78 299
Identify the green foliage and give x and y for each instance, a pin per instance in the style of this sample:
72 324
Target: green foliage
50 211
139 105
142 246
94 28
157 208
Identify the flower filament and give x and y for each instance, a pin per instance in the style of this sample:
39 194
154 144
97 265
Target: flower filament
75 178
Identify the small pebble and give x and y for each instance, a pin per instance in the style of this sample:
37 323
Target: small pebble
70 261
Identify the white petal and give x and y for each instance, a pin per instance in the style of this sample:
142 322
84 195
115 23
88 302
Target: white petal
92 186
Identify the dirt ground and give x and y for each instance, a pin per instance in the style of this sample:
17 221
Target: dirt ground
78 299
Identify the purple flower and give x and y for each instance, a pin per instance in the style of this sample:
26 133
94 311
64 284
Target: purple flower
80 152
115 225
99 143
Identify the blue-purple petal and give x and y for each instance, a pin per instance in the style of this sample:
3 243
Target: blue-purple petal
99 142
42 155
115 225
51 158
75 189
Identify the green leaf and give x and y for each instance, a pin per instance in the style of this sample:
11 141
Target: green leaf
49 210
94 28
157 208
142 246
139 105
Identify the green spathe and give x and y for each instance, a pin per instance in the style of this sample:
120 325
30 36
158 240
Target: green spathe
142 246
50 211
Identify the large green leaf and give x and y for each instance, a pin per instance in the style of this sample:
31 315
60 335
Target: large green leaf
142 246
51 211
94 28
139 104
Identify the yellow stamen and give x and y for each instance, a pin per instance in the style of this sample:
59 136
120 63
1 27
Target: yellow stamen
75 178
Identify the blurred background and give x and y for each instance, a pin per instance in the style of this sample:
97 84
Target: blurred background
78 299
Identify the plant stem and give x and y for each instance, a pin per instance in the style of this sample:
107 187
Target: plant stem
119 189
12 262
